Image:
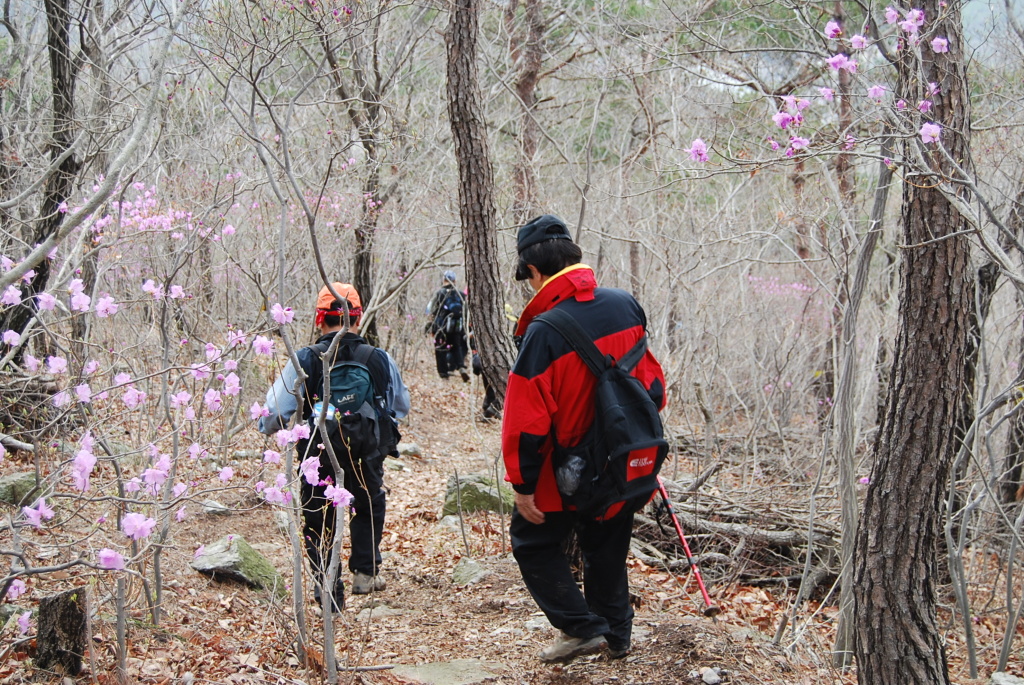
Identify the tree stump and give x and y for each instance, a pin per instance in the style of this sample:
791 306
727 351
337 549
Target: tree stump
61 641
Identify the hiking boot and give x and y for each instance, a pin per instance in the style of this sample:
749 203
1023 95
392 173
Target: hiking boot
465 376
338 596
364 584
618 652
566 648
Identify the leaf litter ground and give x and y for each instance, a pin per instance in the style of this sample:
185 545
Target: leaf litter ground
220 632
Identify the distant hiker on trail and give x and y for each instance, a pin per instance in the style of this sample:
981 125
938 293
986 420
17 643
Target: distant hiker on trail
446 325
363 432
550 399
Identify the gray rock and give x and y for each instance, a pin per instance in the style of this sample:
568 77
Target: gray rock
382 611
409 449
281 520
467 572
392 464
449 523
478 493
18 489
710 676
457 672
215 508
538 623
1001 678
232 558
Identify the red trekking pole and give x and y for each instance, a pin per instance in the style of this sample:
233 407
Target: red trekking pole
710 609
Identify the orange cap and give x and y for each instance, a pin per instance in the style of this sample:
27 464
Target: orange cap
325 299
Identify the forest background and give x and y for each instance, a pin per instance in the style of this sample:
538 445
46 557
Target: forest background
817 203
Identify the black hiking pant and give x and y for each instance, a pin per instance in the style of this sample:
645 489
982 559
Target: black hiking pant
365 480
603 607
450 351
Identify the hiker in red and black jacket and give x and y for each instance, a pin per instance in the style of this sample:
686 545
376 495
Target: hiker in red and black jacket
550 394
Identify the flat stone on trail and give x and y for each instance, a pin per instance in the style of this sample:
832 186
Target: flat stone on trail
468 571
1002 678
215 508
477 493
381 611
18 488
232 558
457 672
409 449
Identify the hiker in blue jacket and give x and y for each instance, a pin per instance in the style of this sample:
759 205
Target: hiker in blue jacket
363 473
446 309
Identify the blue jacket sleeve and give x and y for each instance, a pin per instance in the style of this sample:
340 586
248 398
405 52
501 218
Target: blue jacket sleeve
282 402
397 395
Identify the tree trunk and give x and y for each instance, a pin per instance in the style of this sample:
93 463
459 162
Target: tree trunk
59 184
527 56
476 200
61 642
1013 469
898 639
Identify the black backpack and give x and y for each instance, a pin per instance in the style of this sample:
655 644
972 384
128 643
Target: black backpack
353 417
448 318
614 469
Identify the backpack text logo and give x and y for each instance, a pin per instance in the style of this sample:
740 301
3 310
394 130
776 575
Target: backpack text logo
640 462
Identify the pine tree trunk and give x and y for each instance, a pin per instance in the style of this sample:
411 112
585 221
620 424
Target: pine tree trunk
898 638
61 642
476 197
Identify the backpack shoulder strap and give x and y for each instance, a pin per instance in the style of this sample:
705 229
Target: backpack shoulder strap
569 328
628 361
362 354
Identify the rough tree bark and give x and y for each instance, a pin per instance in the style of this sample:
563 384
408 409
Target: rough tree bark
61 641
58 186
898 639
476 196
526 51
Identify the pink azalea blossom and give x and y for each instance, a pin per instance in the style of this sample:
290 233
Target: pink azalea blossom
940 45
154 478
137 526
230 364
201 371
12 338
933 88
257 410
90 367
11 296
876 92
916 16
177 292
212 400
850 142
212 351
782 119
81 469
339 497
195 451
31 363
282 315
232 385
83 392
281 481
698 150
17 589
827 93
301 431
864 481
61 398
236 338
121 378
859 42
833 30
178 490
891 15
284 437
226 474
260 486
274 495
154 289
901 104
56 365
228 230
3 451
924 105
133 397
310 468
46 301
181 514
6 263
133 485
80 302
110 559
841 61
180 399
25 622
263 345
930 132
271 457
105 306
799 143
